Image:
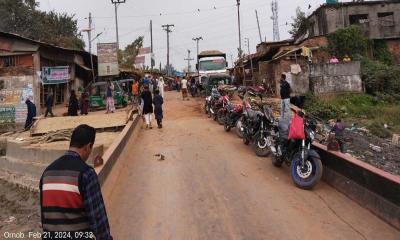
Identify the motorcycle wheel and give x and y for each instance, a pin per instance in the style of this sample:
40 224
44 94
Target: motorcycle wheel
206 108
227 128
238 127
261 148
221 118
306 178
209 112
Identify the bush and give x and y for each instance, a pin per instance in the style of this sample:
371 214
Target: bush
381 79
318 108
348 41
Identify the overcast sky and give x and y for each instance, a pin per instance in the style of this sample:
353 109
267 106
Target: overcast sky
214 20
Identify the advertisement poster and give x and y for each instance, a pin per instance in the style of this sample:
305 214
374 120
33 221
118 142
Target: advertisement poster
107 54
55 75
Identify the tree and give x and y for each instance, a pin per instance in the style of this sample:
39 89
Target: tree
23 18
126 57
300 24
347 41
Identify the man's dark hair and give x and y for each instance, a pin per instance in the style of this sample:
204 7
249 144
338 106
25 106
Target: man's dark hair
157 91
283 76
339 120
82 136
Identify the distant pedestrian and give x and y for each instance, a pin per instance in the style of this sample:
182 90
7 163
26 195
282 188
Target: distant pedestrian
135 91
161 85
346 59
73 105
184 86
71 201
158 101
338 129
84 102
31 114
147 106
178 83
110 98
285 98
49 104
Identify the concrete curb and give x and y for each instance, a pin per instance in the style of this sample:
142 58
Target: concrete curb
113 152
372 188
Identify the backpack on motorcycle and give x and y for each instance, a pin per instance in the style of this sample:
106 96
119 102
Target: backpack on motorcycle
297 128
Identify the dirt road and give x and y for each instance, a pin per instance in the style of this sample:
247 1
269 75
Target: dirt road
212 186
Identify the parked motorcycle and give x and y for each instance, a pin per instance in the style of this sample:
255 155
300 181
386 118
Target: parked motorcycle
305 163
193 90
217 109
233 113
257 129
215 95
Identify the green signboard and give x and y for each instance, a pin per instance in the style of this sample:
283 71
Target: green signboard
7 115
55 75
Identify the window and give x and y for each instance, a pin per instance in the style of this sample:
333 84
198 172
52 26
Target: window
9 61
386 19
386 24
358 19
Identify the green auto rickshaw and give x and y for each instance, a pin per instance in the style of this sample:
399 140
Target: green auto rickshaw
98 99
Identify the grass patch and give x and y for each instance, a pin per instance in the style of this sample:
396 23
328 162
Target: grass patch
367 110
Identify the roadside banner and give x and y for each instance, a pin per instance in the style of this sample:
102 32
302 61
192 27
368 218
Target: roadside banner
107 54
55 75
140 59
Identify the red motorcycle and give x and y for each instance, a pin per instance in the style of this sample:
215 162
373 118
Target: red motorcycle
218 105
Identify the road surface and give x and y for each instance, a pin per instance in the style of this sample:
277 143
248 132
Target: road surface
212 186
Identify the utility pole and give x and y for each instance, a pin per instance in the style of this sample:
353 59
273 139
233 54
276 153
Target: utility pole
240 35
251 60
258 24
166 28
197 40
189 59
116 3
274 7
151 38
89 32
232 60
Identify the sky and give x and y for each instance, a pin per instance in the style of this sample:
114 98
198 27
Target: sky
214 20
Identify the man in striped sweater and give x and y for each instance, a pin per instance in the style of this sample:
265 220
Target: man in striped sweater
72 205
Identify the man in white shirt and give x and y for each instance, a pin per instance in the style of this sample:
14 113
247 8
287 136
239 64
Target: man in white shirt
184 88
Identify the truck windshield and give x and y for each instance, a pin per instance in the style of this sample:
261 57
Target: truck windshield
212 65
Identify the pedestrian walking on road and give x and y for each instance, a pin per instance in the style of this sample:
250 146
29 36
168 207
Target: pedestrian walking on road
161 85
73 105
135 91
110 97
49 105
158 101
285 98
71 201
184 86
147 106
84 102
31 114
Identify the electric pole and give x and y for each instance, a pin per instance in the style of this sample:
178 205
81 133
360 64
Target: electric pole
197 40
151 38
274 7
240 35
167 28
258 24
251 60
116 3
89 32
189 59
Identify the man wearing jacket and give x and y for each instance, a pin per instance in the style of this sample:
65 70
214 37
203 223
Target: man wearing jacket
71 202
285 98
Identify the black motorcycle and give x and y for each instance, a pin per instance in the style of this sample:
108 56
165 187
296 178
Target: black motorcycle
305 163
233 113
257 129
193 90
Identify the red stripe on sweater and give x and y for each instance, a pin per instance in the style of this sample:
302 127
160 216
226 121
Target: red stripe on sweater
64 199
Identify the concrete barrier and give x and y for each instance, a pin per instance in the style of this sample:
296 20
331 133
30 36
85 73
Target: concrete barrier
113 152
373 188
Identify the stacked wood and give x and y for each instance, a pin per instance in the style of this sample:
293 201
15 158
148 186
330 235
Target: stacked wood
53 136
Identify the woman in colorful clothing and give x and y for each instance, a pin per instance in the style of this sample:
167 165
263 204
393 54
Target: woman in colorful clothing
110 97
